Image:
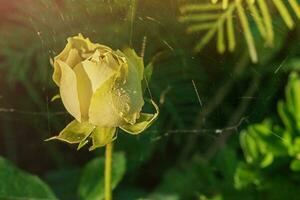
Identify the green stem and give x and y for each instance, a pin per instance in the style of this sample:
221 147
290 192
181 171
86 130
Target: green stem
107 173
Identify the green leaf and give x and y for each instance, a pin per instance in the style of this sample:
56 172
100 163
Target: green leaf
291 64
271 139
157 196
17 184
293 97
249 147
64 181
295 165
261 144
226 162
91 186
289 111
294 147
246 176
286 116
176 179
143 122
75 132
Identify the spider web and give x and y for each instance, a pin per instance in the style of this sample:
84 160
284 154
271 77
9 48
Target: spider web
203 104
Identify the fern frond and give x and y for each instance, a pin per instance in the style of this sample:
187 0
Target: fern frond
267 21
295 7
257 18
214 25
199 7
221 44
200 27
230 33
213 18
224 3
283 11
247 32
199 17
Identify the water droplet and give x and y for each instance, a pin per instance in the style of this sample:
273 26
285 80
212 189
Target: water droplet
126 107
118 93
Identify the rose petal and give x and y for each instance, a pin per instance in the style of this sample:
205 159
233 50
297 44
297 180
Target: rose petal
84 89
128 96
98 72
73 58
84 45
68 90
60 57
142 123
136 61
102 111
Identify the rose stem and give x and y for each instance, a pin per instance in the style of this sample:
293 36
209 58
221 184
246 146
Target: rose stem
107 172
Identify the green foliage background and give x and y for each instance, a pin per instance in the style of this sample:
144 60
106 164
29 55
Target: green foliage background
238 140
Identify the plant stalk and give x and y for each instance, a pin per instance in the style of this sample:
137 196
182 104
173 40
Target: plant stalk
107 171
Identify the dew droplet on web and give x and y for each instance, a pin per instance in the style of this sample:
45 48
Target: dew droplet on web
126 107
123 91
119 93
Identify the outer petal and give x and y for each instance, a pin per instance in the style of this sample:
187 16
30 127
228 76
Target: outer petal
73 58
97 74
68 90
84 89
77 49
70 57
85 45
60 57
128 97
135 61
57 73
102 136
102 111
142 123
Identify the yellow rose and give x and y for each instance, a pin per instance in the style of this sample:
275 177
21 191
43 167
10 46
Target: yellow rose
102 89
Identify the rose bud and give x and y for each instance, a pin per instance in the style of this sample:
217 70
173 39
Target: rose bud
102 89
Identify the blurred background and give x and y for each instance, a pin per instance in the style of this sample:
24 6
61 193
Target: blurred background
225 79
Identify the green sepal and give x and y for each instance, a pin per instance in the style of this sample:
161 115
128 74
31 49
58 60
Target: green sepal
102 136
55 97
147 76
75 132
149 70
142 123
82 143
